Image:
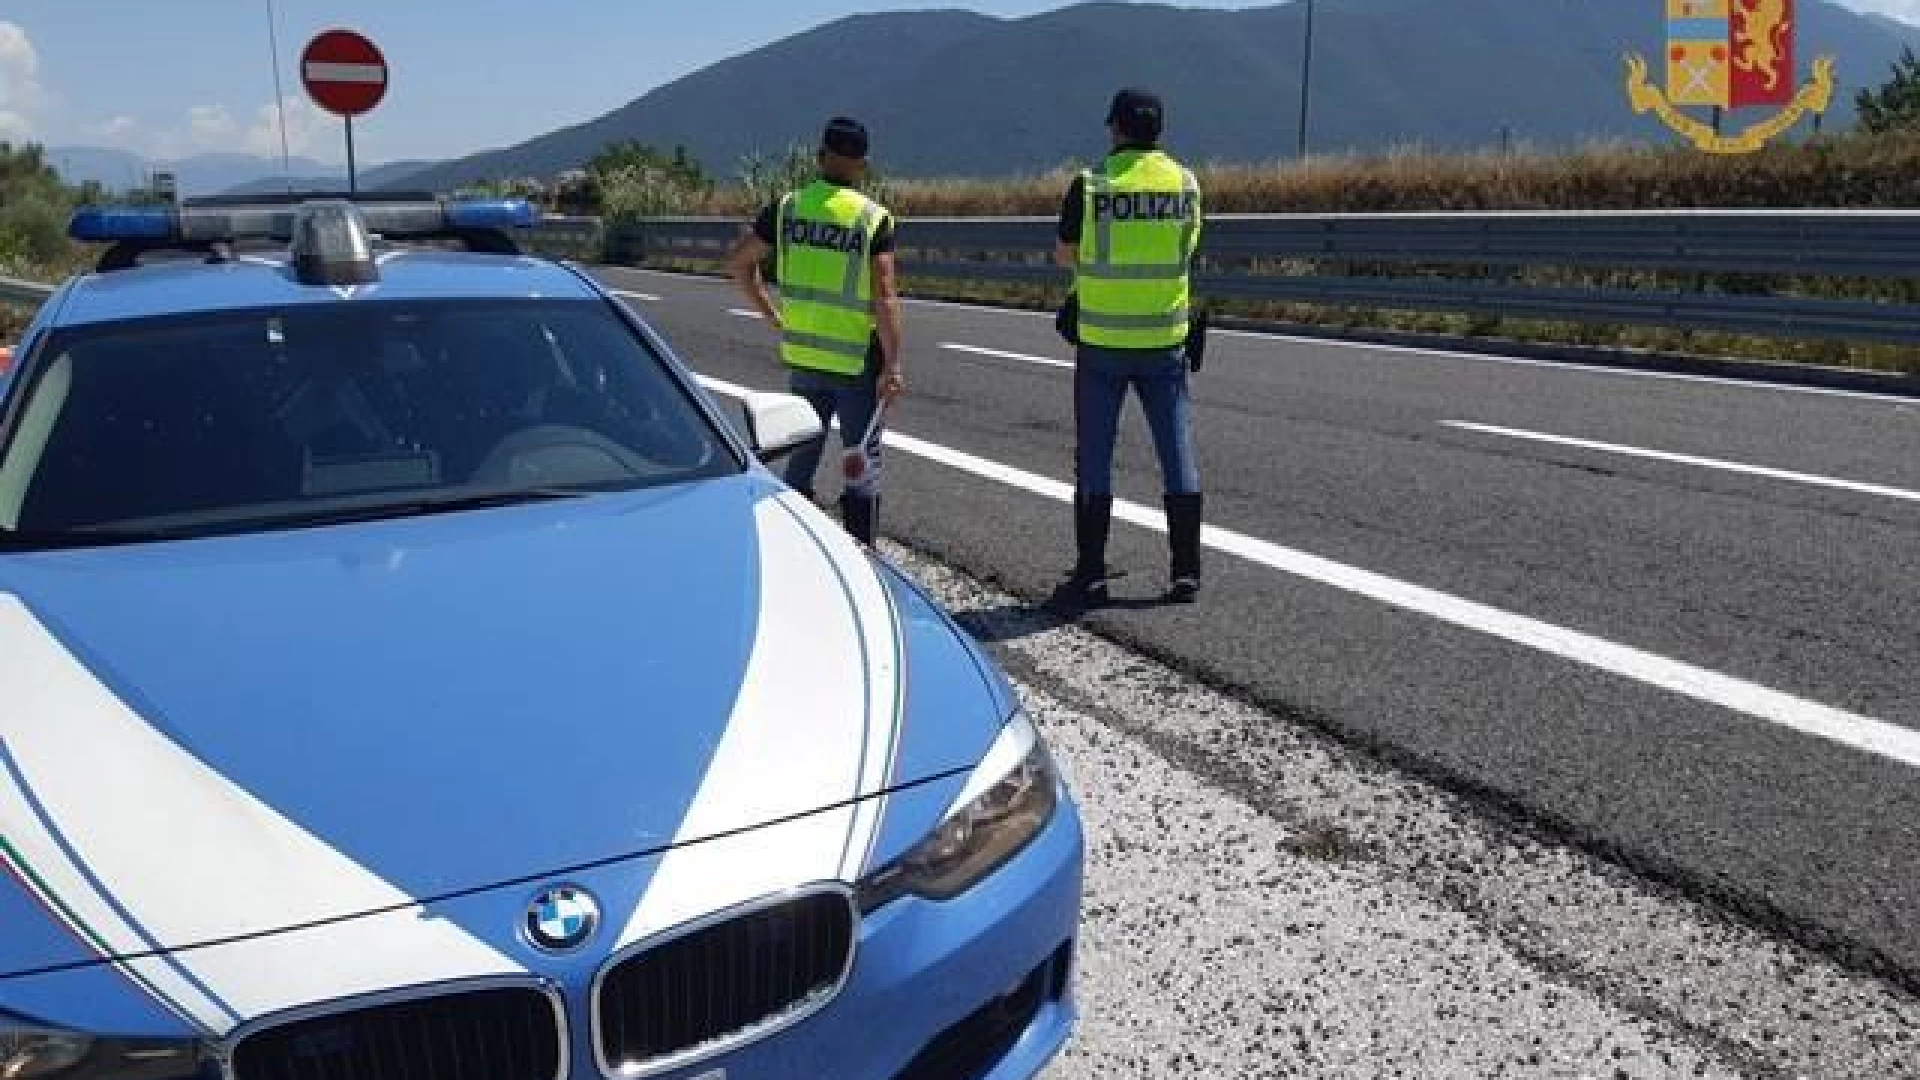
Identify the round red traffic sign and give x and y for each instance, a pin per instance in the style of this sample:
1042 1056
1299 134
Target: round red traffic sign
344 73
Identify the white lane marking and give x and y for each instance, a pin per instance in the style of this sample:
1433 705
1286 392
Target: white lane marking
1045 361
346 73
631 295
1586 369
1689 459
1414 350
744 313
1738 695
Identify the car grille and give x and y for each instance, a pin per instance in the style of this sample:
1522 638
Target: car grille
496 1033
724 982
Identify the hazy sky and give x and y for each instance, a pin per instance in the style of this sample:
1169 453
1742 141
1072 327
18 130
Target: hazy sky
195 75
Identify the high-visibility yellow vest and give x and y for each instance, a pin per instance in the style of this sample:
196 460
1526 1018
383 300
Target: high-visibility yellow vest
825 261
1140 228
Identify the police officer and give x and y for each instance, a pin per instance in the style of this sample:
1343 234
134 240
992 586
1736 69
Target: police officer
1128 230
839 311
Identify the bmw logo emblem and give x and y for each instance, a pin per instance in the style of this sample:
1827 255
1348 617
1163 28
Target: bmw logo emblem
561 918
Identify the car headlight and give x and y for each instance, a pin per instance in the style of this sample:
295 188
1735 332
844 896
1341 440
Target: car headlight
30 1052
1005 804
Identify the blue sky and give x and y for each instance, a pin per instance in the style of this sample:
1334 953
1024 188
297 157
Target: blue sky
194 75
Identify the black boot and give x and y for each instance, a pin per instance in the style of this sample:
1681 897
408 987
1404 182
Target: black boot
1092 521
859 516
1183 540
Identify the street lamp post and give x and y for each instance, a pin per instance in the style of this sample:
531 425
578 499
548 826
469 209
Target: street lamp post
1306 78
279 96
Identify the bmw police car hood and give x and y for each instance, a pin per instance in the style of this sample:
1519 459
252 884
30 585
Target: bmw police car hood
228 737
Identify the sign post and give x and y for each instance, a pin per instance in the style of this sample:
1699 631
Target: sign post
346 75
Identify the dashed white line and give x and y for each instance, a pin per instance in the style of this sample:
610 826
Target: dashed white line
1847 729
1574 366
1689 459
745 313
631 295
1044 361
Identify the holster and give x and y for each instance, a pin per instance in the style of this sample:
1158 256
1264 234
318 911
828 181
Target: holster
1197 338
1067 319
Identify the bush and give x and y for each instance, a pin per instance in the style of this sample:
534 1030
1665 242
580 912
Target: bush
630 192
33 231
1896 105
34 208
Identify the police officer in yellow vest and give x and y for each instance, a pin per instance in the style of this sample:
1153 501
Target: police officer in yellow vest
839 311
1128 230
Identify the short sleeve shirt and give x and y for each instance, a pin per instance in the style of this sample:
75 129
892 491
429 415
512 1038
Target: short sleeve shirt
1073 211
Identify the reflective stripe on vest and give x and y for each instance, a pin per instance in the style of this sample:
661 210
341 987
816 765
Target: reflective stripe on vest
1141 226
826 290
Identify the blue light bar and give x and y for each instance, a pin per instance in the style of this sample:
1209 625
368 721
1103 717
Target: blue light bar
108 224
492 214
267 220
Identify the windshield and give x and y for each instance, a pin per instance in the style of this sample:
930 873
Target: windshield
260 419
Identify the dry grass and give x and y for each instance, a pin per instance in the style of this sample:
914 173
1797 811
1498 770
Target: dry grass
1830 172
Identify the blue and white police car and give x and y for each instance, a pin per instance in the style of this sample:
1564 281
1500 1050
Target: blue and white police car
408 673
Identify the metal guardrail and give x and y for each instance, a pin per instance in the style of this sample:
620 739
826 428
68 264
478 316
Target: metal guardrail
1467 263
28 293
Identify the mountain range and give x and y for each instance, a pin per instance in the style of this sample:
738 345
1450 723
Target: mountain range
957 93
215 174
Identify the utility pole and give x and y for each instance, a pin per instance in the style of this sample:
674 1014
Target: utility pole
1306 79
279 98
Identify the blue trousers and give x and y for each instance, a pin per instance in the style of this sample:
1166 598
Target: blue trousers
852 399
1101 378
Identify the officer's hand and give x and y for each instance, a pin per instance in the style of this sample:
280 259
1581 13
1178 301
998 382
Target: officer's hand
892 383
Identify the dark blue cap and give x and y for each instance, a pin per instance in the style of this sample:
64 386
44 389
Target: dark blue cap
846 137
1138 114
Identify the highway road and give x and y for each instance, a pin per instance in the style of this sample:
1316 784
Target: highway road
1672 621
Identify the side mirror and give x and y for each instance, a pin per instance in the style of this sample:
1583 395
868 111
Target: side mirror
778 424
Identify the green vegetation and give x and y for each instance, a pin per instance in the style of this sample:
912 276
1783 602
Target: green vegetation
1895 106
630 180
34 208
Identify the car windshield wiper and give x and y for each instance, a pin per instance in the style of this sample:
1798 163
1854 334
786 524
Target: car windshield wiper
66 539
405 508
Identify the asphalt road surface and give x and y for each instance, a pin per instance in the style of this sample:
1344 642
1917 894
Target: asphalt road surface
1675 621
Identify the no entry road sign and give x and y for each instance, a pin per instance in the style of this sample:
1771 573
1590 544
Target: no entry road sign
344 73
